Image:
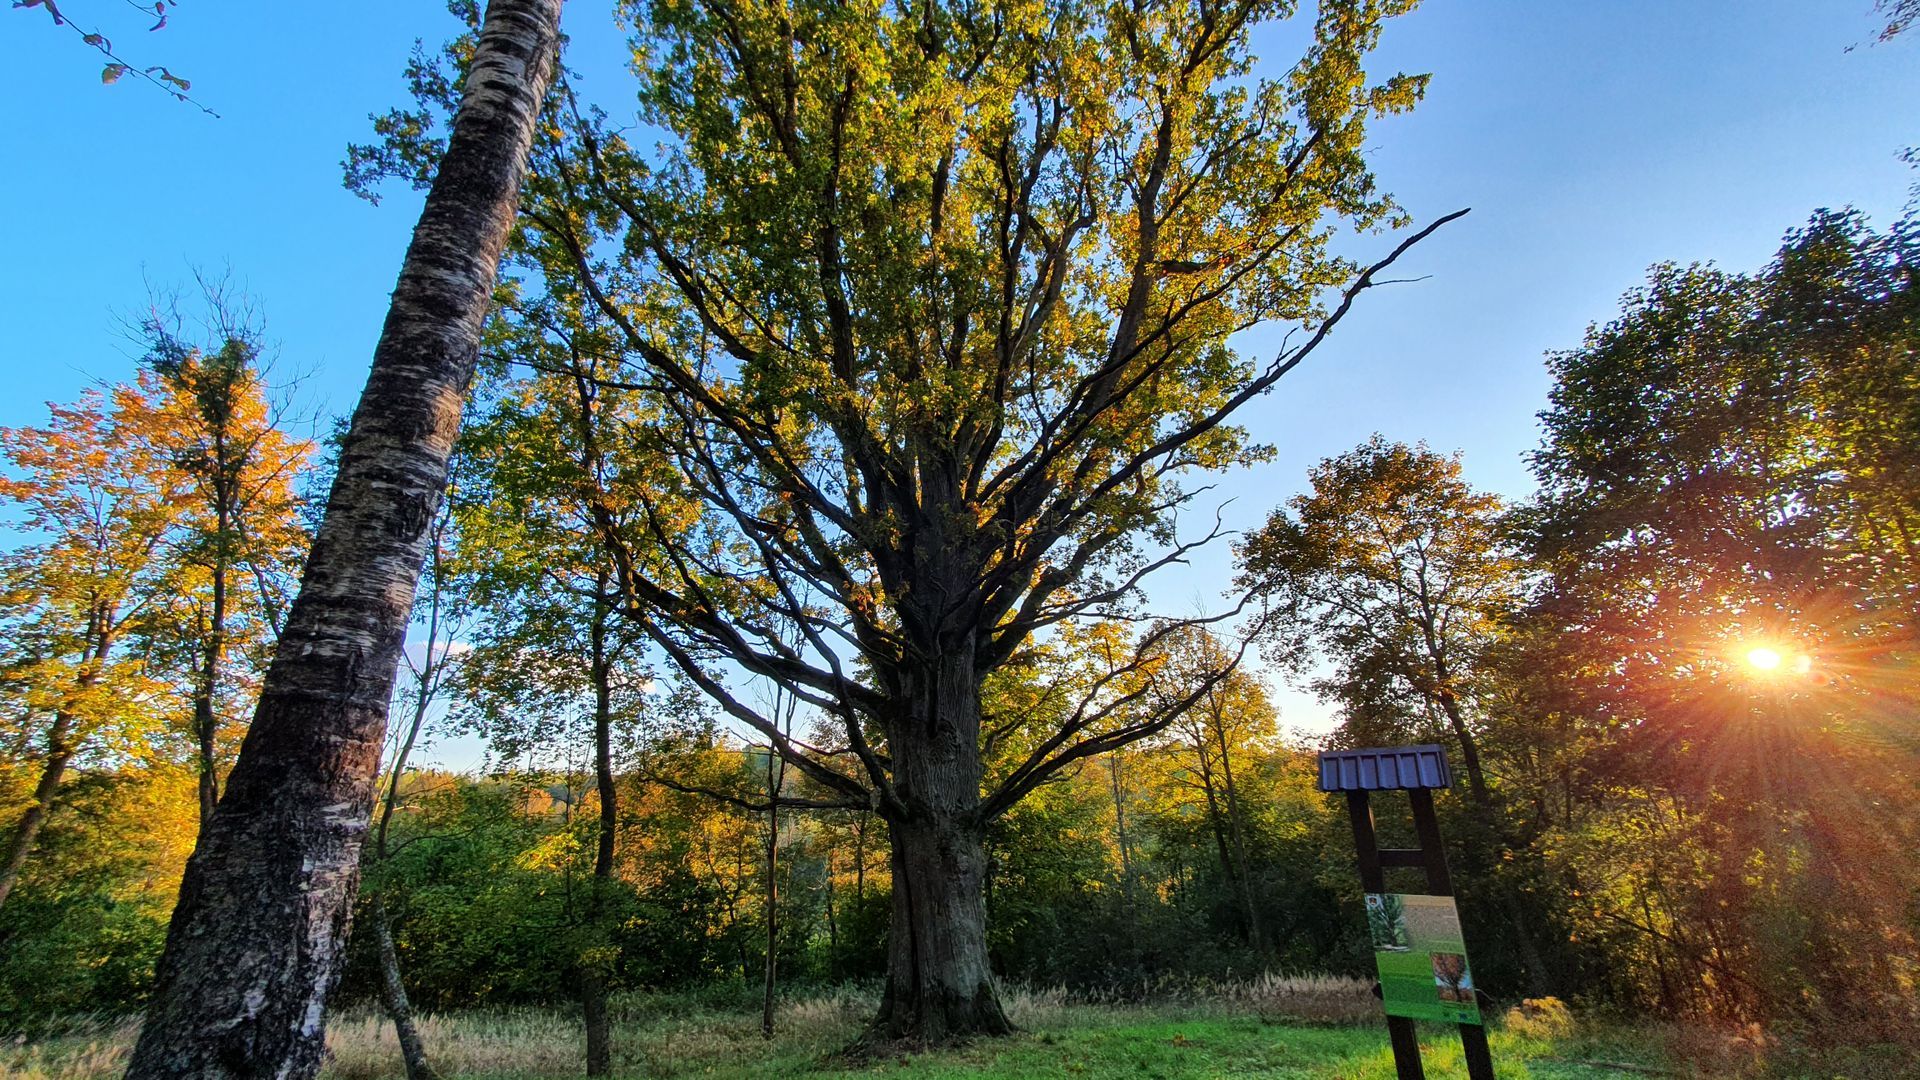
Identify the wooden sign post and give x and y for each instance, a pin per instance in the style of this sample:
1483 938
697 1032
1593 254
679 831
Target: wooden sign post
1423 968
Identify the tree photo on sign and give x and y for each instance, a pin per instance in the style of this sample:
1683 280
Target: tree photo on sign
1386 921
1450 974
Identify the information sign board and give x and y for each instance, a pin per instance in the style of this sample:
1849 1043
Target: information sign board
1422 958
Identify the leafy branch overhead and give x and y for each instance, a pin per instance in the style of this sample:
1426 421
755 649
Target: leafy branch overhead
117 66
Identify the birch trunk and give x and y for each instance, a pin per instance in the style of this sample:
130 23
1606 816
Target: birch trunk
258 936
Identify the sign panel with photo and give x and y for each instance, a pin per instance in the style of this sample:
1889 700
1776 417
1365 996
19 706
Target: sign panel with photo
1422 958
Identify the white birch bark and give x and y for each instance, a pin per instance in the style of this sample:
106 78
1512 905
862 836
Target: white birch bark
258 936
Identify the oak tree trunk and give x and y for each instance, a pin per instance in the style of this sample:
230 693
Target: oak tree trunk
940 985
258 935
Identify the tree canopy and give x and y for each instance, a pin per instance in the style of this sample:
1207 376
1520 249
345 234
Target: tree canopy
935 306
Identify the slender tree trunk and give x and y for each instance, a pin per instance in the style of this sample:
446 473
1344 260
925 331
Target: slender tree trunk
833 927
1121 839
940 983
206 722
776 775
393 985
1236 828
1531 961
1443 692
593 982
394 996
61 746
258 935
860 856
59 752
1219 819
1469 747
1669 1003
1216 818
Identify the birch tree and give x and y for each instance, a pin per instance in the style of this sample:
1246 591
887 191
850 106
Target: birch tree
258 936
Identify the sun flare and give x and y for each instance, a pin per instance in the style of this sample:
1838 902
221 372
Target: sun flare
1763 658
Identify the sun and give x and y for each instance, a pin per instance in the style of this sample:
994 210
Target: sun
1765 659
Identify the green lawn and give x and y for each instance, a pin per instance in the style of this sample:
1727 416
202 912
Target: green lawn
1195 1048
1082 1042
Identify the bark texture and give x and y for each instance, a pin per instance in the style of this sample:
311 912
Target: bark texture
940 986
258 935
940 983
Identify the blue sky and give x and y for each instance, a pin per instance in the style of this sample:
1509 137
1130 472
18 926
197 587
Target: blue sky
1591 139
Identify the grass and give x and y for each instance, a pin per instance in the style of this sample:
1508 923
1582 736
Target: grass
1273 1028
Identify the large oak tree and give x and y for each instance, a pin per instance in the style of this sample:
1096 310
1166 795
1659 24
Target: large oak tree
935 304
938 302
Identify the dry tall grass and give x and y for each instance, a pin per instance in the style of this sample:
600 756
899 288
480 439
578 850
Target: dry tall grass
1332 999
85 1048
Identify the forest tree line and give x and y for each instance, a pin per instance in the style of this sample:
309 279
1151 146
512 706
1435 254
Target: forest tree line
1649 816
